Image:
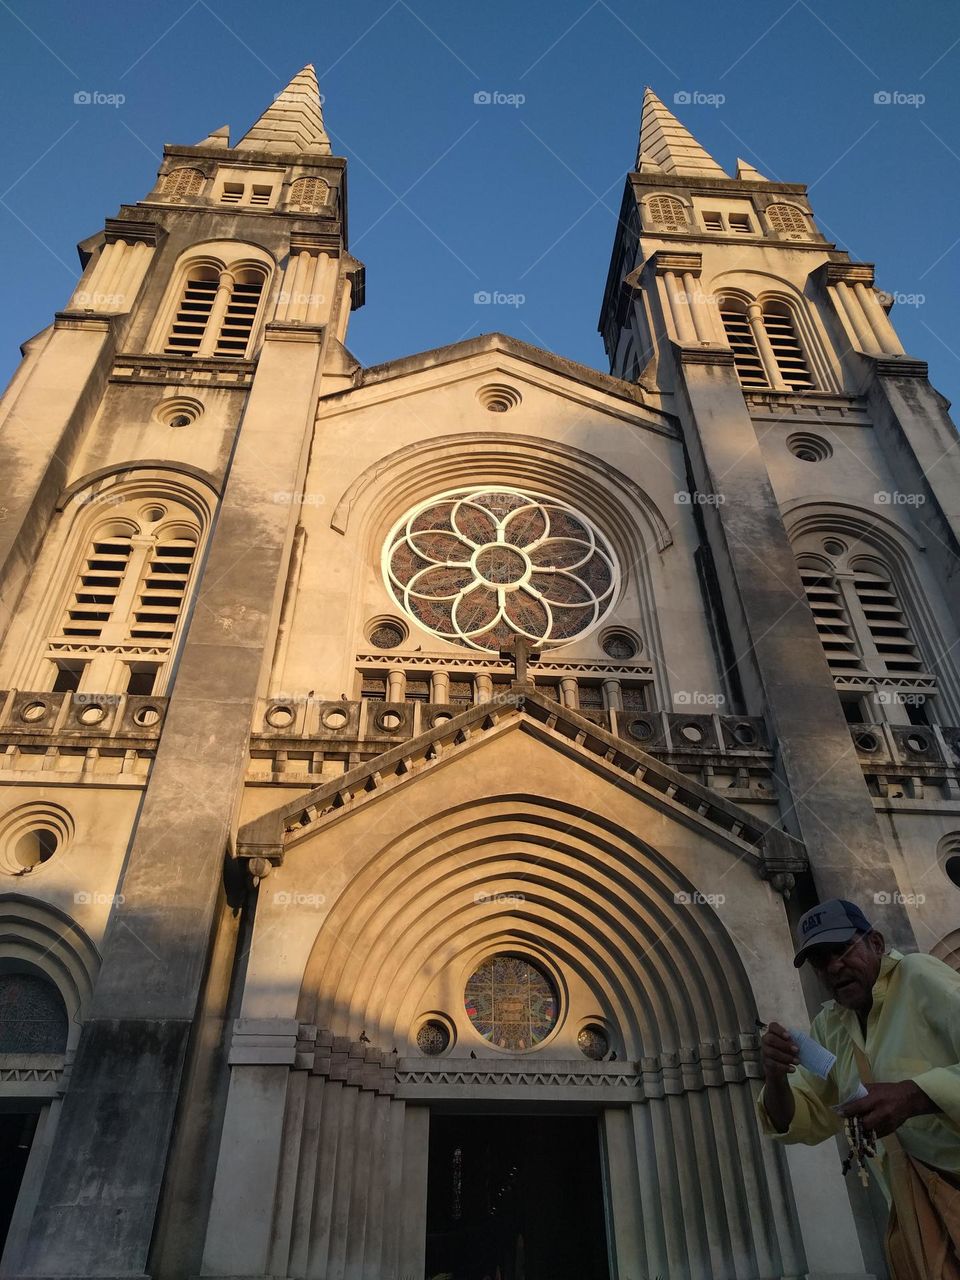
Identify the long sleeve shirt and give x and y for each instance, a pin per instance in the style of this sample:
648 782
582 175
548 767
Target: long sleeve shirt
913 1033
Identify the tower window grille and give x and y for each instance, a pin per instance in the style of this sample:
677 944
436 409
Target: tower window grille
786 219
787 351
232 193
98 584
180 185
740 224
307 195
667 213
746 357
713 221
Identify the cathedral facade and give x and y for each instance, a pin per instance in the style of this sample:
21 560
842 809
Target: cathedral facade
410 774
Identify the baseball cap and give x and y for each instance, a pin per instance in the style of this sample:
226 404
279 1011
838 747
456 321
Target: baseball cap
835 920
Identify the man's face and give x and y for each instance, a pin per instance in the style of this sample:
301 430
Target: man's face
849 969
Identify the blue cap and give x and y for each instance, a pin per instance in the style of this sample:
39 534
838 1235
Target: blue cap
835 920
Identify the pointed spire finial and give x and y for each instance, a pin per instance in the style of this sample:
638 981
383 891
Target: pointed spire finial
293 121
219 138
747 173
665 141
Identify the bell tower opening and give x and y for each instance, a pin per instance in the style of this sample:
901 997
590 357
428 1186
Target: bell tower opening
515 1197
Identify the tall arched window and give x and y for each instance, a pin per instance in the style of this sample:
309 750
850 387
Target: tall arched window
788 354
739 331
216 312
126 598
767 351
863 624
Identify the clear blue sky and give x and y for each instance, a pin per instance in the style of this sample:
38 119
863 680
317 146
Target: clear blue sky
447 197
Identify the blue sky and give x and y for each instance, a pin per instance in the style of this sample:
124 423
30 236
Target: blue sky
448 197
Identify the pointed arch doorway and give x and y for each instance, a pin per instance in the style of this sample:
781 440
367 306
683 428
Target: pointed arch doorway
515 1196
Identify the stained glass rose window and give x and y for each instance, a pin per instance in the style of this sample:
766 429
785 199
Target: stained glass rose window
511 1002
479 565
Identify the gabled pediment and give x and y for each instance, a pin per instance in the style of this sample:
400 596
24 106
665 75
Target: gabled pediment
498 354
770 850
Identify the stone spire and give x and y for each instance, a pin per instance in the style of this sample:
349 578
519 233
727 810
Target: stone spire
665 142
293 121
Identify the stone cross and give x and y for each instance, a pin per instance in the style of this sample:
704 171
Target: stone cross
520 651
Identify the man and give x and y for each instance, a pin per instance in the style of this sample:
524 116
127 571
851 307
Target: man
894 1025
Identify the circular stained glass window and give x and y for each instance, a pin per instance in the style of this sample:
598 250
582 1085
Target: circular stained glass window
477 566
511 1002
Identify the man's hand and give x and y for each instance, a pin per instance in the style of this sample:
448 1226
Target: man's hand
886 1106
778 1053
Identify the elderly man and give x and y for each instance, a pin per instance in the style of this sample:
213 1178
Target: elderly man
893 1024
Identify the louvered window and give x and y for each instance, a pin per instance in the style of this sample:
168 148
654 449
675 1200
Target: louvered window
162 590
238 322
96 591
260 195
746 357
127 601
836 631
232 193
713 221
741 224
667 213
889 629
190 322
787 351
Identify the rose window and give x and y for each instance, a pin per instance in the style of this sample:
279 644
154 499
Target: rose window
479 565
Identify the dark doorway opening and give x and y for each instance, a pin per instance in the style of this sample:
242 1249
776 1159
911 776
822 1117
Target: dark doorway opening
16 1137
515 1198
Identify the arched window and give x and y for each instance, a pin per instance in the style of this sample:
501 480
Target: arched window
180 185
766 349
667 213
739 331
33 1017
861 620
216 312
126 599
787 219
307 195
787 351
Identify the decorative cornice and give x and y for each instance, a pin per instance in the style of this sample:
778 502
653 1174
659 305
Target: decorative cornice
846 273
889 366
708 353
131 230
674 260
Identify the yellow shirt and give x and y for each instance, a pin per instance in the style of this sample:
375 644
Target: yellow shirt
913 1033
